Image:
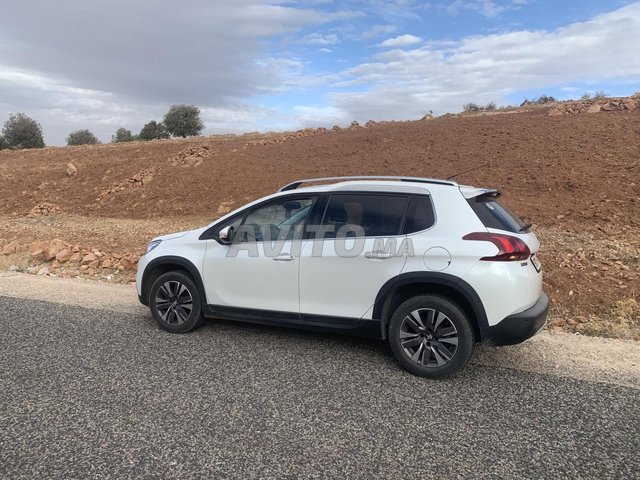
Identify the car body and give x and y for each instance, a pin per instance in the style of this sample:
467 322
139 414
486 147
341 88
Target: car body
347 256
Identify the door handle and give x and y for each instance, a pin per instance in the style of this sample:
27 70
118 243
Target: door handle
378 255
284 257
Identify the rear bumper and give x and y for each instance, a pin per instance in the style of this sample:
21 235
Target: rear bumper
518 327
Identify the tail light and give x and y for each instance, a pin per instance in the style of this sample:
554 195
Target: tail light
509 248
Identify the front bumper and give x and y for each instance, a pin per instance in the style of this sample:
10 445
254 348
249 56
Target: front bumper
518 327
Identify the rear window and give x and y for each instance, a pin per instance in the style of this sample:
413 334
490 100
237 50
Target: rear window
495 215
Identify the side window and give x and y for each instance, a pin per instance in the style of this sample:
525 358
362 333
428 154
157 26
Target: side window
419 214
378 215
276 219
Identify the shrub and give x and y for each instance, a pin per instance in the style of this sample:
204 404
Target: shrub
585 96
21 131
153 131
600 95
471 107
82 137
489 106
542 99
122 135
183 121
3 143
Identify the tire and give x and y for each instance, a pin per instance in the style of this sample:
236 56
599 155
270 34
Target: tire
175 302
431 336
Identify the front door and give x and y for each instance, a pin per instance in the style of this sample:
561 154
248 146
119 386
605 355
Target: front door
259 270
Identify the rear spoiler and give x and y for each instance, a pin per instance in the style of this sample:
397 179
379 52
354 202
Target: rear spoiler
480 192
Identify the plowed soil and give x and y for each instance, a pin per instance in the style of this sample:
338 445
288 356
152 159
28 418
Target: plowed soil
575 177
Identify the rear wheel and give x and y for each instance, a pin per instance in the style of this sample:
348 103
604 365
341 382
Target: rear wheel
431 336
175 302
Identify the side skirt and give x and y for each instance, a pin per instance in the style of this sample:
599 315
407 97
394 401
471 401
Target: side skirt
344 325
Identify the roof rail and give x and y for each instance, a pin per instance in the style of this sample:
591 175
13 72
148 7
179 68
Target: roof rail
297 183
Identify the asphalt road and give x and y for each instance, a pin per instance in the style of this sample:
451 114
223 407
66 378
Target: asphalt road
93 393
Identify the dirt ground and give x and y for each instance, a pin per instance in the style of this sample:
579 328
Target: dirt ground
575 177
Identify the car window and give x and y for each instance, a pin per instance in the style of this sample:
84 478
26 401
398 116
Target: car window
377 214
420 214
276 218
495 215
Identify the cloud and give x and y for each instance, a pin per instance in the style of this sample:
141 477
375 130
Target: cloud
401 41
404 83
486 8
319 39
376 31
112 56
325 50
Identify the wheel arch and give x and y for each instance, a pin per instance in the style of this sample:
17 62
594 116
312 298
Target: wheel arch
407 285
161 265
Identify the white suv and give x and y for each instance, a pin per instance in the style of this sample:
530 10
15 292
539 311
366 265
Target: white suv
430 265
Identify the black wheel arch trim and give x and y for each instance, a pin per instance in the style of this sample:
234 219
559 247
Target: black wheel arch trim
171 260
430 278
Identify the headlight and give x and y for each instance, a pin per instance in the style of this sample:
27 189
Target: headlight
152 245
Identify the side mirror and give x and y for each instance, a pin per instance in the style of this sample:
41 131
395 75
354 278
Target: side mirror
226 235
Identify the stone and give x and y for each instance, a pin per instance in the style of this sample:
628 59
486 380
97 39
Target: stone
75 258
72 170
63 255
90 257
10 247
555 111
13 268
106 263
94 264
43 271
595 108
36 246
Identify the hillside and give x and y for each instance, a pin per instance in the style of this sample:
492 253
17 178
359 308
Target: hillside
575 176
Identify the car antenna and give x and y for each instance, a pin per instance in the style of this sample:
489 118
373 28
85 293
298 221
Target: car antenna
470 170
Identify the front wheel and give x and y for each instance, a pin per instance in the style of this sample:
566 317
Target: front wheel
175 302
431 336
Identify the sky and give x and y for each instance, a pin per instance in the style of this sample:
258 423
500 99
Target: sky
254 65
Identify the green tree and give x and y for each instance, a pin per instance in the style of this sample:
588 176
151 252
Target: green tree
3 143
21 131
82 137
183 121
153 131
122 135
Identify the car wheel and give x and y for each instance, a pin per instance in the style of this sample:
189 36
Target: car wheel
431 336
175 302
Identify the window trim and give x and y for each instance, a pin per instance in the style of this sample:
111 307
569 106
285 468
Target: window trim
212 233
369 193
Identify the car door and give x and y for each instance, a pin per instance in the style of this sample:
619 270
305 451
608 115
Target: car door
259 269
341 274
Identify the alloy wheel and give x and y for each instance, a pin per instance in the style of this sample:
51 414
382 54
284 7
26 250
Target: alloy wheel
174 302
429 337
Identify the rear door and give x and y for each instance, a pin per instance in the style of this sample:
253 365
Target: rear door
362 249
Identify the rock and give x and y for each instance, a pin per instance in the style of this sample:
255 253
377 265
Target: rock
10 247
354 124
63 255
36 246
90 257
75 258
84 267
106 263
71 170
595 108
94 264
555 111
13 268
43 271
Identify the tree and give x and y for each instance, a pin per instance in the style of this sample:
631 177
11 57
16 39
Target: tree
153 131
21 131
183 121
3 143
122 135
82 137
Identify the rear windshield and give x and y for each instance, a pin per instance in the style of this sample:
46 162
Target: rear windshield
495 215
